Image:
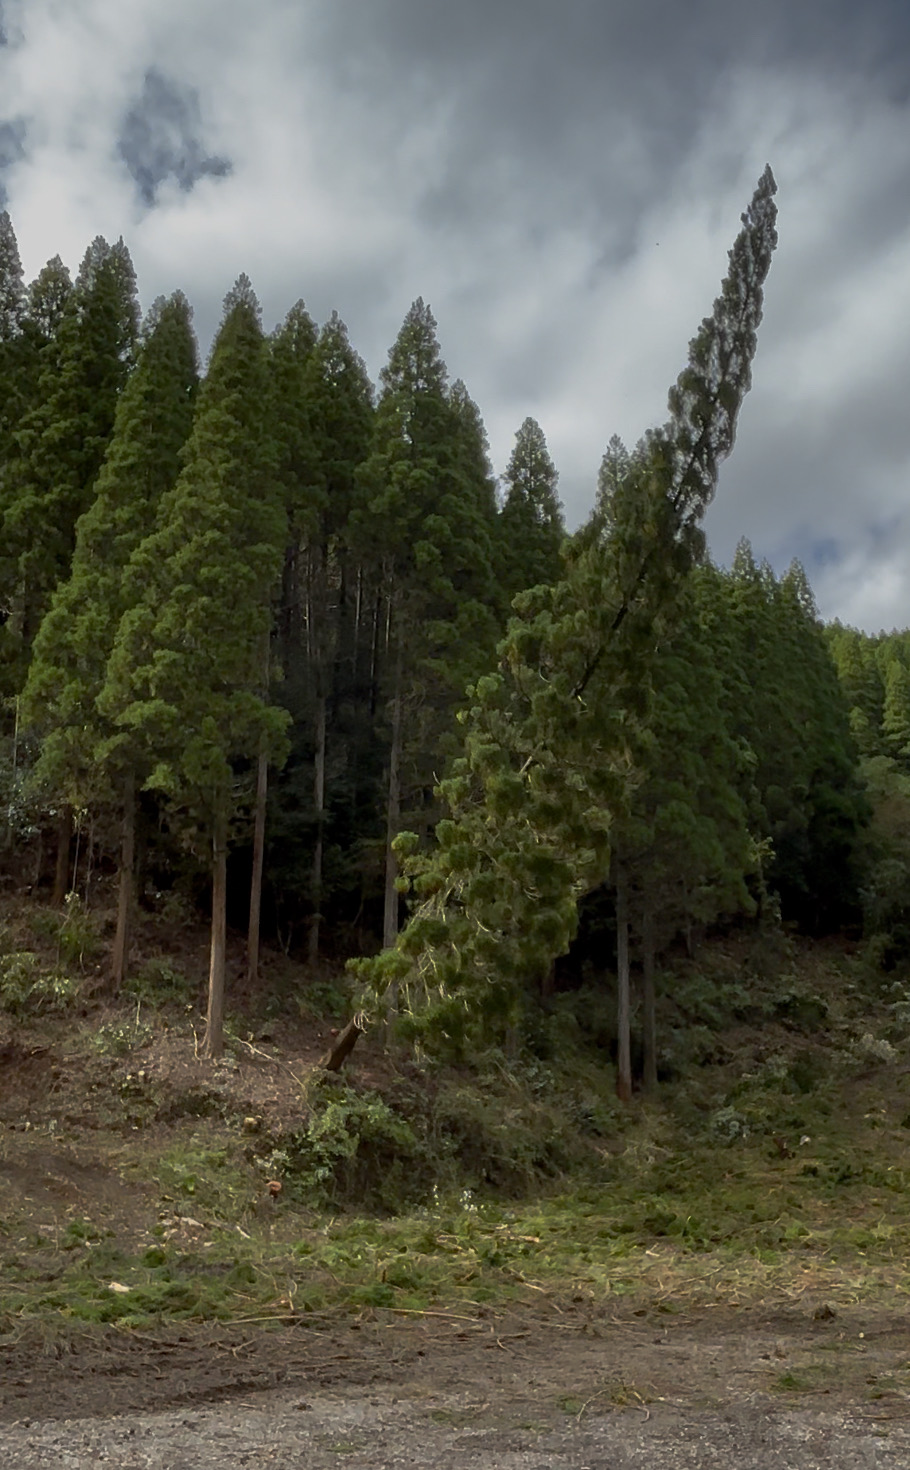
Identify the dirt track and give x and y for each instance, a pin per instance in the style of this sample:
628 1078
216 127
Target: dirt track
722 1390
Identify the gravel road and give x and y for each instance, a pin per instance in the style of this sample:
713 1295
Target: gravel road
379 1431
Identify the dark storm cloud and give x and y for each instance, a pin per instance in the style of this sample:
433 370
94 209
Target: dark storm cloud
602 100
160 138
561 183
12 148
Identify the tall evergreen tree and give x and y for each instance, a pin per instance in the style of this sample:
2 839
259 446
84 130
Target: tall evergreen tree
426 521
12 313
84 761
185 675
31 352
685 841
289 349
61 440
896 712
547 755
339 403
327 429
531 523
787 709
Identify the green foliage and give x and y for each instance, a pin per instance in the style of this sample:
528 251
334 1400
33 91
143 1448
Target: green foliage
323 803
61 439
798 775
353 1147
158 983
13 345
76 933
531 528
81 751
79 935
120 1038
209 1177
547 762
28 989
185 676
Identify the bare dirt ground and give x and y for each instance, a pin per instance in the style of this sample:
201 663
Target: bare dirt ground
555 1383
721 1388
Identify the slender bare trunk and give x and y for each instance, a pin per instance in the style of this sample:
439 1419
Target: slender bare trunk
262 792
548 982
319 803
687 923
89 862
72 886
15 772
125 893
649 1000
64 840
213 1045
390 913
355 639
374 653
623 1006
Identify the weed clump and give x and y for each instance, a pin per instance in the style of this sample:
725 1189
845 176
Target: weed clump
159 984
353 1148
27 988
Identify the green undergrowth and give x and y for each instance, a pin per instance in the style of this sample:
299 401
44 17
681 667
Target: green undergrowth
773 1165
662 1239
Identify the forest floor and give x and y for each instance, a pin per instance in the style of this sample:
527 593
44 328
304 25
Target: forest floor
728 1276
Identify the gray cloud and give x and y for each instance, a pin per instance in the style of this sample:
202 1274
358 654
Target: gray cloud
560 183
12 148
160 138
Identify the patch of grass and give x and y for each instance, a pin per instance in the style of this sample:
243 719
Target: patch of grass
570 1403
806 1379
209 1177
739 1242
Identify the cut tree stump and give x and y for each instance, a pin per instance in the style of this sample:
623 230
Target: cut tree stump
342 1047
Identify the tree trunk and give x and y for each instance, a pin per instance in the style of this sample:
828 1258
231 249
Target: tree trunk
319 803
548 982
623 1006
390 912
125 893
687 924
252 938
374 653
15 772
342 1047
213 1045
62 872
649 1001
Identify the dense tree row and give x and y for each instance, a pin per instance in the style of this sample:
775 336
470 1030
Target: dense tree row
241 615
875 676
271 570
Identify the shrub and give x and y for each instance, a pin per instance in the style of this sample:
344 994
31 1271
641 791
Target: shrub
354 1147
119 1038
158 984
25 988
79 935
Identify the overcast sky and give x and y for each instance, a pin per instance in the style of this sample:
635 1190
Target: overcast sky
560 182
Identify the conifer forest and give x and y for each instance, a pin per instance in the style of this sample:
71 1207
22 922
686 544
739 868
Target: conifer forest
423 919
280 648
